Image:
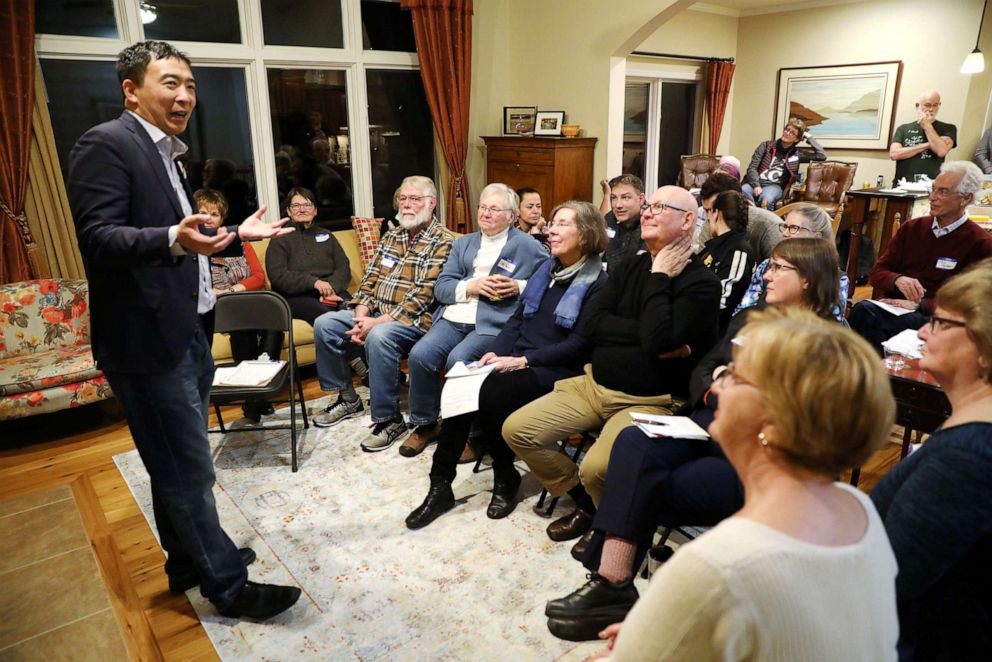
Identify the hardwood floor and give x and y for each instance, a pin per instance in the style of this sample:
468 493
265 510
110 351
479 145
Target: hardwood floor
76 448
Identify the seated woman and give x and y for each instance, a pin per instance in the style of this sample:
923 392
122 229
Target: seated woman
308 267
680 482
727 253
530 218
937 504
239 274
476 292
539 345
806 220
775 164
803 571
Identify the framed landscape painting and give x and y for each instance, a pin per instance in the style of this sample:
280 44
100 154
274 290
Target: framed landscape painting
849 106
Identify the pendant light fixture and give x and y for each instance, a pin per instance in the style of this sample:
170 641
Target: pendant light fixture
975 62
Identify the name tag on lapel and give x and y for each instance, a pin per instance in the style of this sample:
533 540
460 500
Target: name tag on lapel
947 263
322 237
611 232
506 266
388 262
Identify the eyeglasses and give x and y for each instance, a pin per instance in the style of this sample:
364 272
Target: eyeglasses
734 377
490 210
792 230
415 199
791 129
660 207
562 223
938 323
297 206
775 267
929 105
944 192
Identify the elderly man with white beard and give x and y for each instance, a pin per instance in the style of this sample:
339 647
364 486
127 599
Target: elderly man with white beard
389 314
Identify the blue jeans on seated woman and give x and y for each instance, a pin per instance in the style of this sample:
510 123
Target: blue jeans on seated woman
770 195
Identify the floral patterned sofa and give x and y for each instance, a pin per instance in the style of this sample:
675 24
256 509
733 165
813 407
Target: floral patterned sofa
45 359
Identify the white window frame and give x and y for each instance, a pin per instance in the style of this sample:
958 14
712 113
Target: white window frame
254 57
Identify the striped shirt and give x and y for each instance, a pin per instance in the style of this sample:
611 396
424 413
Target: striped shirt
399 281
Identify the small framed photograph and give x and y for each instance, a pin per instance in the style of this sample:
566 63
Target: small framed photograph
518 120
548 122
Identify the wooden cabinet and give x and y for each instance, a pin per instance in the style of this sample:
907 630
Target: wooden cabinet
559 168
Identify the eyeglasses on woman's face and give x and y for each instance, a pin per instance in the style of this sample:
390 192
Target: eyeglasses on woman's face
938 323
792 230
779 267
301 206
483 209
731 376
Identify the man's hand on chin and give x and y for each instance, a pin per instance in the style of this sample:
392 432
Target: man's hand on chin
254 227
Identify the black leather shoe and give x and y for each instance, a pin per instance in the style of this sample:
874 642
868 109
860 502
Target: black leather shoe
579 548
580 629
504 498
261 601
183 583
597 598
570 526
440 499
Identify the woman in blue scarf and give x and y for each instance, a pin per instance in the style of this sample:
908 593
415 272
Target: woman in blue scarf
540 344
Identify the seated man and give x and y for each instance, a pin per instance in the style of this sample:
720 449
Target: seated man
477 292
623 221
925 252
654 303
775 164
762 225
391 312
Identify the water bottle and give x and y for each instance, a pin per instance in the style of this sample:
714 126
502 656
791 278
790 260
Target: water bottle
880 182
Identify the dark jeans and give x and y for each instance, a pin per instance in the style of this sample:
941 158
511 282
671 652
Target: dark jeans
502 394
876 325
167 414
307 307
248 345
670 482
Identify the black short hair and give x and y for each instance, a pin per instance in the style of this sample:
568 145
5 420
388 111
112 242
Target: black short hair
718 182
133 61
521 192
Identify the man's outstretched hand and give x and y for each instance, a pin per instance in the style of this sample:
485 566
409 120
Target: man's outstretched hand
194 241
254 227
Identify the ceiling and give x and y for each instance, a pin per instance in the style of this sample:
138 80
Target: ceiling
755 7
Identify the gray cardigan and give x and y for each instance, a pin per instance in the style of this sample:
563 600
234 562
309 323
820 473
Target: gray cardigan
984 151
296 261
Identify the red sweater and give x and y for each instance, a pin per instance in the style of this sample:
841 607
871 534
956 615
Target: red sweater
914 252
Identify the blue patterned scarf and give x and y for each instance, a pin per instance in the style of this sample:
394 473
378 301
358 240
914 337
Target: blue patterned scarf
568 308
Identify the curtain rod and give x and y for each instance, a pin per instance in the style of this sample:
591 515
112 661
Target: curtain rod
674 56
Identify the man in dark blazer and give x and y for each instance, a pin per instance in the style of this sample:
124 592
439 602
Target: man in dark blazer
151 307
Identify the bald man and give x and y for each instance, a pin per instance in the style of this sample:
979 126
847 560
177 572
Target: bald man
919 147
654 319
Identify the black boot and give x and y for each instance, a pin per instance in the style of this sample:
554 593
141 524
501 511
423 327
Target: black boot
440 499
504 497
582 614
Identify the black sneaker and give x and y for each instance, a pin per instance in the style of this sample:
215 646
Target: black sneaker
385 435
340 410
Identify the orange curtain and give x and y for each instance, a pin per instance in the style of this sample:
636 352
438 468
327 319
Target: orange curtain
16 97
443 30
719 75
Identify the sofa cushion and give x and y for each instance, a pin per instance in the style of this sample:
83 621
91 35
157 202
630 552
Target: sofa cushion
367 232
46 369
42 315
56 398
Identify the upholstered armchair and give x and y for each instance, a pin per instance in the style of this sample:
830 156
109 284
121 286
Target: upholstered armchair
696 169
826 184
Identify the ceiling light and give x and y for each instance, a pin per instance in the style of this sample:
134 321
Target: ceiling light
148 12
975 62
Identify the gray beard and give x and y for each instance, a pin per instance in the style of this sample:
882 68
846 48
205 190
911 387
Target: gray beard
421 219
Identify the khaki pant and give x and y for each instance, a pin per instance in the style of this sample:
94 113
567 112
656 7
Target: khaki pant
578 404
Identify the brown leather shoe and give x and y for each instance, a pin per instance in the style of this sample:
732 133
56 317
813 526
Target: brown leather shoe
570 526
579 548
418 439
470 454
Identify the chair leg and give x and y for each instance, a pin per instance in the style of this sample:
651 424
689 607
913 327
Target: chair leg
292 415
220 417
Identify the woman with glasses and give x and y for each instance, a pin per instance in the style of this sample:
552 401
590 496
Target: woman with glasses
803 571
308 267
805 221
727 252
937 503
678 482
775 164
541 343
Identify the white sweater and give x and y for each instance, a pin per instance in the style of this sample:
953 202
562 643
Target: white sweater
744 591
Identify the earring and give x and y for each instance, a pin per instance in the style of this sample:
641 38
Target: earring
762 439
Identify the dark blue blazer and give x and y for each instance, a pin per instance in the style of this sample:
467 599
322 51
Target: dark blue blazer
142 298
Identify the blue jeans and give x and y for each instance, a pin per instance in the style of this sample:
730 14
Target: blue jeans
385 347
445 344
770 194
167 414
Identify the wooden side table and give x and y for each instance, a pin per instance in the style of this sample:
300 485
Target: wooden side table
559 168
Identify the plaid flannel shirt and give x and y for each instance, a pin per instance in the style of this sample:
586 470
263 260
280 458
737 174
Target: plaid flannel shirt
399 281
757 287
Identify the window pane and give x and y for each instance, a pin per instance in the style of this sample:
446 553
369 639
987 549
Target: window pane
678 119
387 27
303 23
204 20
401 134
635 124
84 94
94 18
310 131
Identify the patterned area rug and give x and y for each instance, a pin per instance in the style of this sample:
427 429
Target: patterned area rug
464 588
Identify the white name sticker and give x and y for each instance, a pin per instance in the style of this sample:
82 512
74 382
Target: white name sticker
793 158
388 262
611 232
506 266
321 238
946 263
